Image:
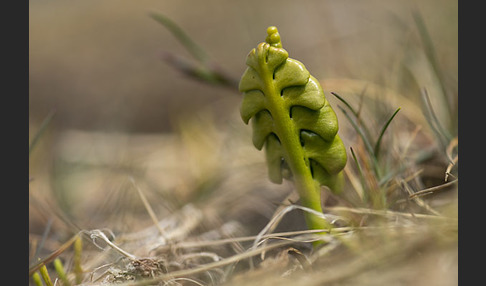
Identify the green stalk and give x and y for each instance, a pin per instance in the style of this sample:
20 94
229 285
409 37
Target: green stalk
307 188
37 279
60 272
78 270
45 275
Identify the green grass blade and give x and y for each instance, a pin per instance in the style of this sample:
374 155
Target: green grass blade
366 142
42 128
211 74
203 69
195 50
60 272
44 237
430 52
346 103
45 275
356 115
37 279
378 142
52 256
78 269
442 134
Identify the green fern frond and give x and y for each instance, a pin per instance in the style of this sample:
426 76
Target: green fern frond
292 119
289 110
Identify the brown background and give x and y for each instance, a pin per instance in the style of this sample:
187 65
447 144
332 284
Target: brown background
98 63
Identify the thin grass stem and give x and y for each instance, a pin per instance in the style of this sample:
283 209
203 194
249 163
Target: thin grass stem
389 213
45 275
78 270
194 49
149 209
37 279
52 256
356 114
432 56
443 135
60 272
361 175
380 137
431 190
366 142
44 236
41 131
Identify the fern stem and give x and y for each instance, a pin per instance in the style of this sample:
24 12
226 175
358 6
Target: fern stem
294 122
307 188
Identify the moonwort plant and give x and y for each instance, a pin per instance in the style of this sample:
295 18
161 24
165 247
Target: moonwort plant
294 122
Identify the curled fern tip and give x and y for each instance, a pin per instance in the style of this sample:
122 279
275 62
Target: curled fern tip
273 37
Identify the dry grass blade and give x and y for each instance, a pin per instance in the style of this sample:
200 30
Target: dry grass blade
98 234
206 267
149 209
53 255
388 213
41 131
362 180
279 216
452 158
355 182
200 209
277 235
432 190
371 259
183 279
449 168
418 200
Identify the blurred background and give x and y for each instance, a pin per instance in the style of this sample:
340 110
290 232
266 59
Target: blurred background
102 74
99 64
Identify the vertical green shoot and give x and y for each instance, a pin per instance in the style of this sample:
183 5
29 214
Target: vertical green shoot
37 279
45 275
78 270
60 272
295 123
